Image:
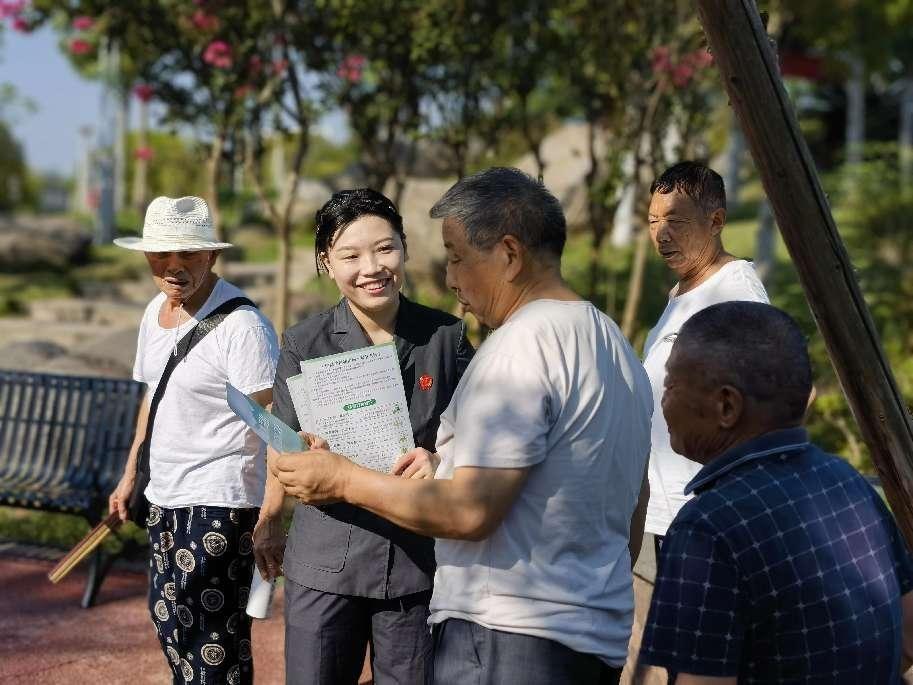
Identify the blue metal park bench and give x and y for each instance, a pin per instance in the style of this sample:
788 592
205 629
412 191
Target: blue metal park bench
64 441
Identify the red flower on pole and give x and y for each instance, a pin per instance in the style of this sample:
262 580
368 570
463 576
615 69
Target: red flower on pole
143 92
351 68
242 91
205 22
79 46
218 54
144 153
83 23
255 65
21 25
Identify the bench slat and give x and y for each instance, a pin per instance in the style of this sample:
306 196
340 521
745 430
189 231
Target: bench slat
64 439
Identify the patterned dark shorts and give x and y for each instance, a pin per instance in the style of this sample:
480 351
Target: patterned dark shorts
202 563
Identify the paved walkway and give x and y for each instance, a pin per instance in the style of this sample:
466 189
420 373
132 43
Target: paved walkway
49 639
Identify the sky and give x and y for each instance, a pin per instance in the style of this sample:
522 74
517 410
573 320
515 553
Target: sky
65 102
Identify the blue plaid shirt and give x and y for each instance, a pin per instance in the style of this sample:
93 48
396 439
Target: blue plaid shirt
787 567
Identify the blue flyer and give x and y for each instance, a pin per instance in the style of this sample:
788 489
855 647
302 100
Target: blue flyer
271 430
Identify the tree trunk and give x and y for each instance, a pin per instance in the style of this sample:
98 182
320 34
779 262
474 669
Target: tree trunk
765 244
594 213
748 71
855 111
595 257
636 283
283 264
120 150
277 162
905 133
735 155
141 165
213 172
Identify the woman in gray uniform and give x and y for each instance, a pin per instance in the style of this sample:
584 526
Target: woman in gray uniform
353 577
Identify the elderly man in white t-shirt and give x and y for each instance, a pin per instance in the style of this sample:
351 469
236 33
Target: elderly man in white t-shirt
687 214
542 454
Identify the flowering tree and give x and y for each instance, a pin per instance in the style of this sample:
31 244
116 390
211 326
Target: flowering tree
185 52
364 57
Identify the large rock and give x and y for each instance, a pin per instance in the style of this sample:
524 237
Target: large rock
32 242
567 162
85 310
109 354
423 234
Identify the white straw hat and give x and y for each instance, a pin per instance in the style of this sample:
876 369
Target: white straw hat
175 225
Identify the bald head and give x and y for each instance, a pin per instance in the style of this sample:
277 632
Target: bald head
756 348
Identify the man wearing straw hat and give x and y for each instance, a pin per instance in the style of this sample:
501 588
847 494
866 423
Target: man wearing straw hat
206 469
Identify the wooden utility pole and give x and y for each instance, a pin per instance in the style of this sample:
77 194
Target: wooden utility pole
749 72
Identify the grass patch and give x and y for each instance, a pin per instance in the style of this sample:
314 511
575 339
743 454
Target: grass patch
60 530
17 290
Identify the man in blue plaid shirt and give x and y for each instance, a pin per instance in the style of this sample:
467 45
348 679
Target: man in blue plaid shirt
786 567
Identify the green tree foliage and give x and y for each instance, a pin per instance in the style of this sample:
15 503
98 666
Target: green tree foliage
364 56
13 172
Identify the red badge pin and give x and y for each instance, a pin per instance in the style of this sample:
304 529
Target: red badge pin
425 382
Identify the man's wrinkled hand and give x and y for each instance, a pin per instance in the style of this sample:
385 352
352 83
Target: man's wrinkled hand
315 442
317 476
416 463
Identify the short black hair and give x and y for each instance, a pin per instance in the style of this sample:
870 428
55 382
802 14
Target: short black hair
698 181
756 348
346 206
505 201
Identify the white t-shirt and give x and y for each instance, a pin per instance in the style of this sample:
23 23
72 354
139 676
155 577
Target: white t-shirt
559 390
670 472
201 452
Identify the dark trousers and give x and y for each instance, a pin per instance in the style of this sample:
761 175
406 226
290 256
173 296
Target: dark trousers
201 571
326 636
466 652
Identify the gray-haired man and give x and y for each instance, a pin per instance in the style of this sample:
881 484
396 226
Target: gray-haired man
542 457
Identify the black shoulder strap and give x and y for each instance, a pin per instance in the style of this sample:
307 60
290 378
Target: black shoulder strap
185 344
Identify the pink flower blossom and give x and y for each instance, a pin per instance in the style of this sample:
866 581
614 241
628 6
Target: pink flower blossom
21 25
682 74
205 22
279 66
144 153
83 23
255 65
661 59
218 54
79 46
242 91
351 68
143 92
699 59
12 8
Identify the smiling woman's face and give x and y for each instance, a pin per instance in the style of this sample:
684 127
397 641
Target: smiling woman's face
180 274
366 261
